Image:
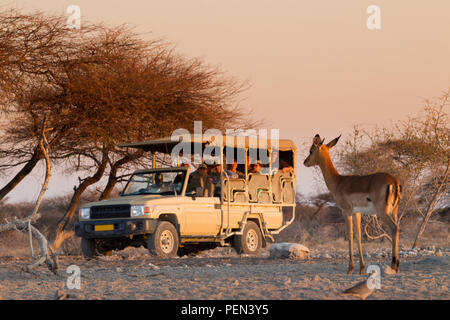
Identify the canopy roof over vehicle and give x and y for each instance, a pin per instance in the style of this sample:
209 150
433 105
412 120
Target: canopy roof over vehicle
165 145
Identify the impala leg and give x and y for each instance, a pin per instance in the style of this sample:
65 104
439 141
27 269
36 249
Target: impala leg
350 243
395 239
358 238
391 219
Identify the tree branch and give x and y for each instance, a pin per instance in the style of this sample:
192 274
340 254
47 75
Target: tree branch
50 259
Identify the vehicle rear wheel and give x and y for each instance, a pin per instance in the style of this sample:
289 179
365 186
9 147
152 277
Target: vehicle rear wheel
250 242
164 241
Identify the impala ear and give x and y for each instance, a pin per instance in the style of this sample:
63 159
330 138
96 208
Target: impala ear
317 141
333 142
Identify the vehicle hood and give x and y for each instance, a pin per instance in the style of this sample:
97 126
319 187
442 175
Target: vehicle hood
133 200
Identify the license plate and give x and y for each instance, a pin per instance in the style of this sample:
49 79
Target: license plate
104 227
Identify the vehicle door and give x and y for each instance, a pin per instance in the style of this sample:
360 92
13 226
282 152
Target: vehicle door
202 216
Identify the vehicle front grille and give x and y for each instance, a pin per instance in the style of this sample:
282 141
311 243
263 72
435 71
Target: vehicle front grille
114 211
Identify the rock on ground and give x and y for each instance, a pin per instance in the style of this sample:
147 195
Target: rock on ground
289 250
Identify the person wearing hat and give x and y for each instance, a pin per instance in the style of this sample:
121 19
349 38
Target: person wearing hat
212 180
197 180
214 173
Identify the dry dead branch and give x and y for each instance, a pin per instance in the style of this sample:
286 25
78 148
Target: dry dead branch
47 255
376 230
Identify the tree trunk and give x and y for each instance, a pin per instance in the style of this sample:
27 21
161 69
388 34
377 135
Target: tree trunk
26 224
112 181
29 166
62 234
421 229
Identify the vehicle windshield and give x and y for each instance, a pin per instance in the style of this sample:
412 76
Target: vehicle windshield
162 183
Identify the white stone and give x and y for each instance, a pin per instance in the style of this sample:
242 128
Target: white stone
153 266
288 250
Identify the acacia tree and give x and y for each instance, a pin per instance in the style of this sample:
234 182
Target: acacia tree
139 92
417 151
100 88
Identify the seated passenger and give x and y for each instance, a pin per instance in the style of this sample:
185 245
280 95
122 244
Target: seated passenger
197 180
256 168
213 180
232 171
214 173
158 185
274 163
285 167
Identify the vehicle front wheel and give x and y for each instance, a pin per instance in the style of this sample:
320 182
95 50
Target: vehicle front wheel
250 242
164 241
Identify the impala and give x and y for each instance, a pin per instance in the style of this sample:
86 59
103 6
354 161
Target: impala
377 193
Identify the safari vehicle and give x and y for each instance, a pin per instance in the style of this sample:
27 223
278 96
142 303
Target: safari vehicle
156 209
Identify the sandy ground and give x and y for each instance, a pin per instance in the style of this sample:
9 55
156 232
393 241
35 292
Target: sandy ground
222 274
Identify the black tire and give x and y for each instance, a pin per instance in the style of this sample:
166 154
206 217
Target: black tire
250 242
164 241
89 248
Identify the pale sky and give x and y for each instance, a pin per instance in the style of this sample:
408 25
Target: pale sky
314 66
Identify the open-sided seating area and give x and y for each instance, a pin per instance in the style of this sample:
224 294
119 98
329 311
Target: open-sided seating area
262 188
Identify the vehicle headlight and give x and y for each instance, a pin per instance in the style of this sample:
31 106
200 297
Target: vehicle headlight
137 211
85 213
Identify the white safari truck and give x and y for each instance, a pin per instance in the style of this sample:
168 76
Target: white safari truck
170 213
